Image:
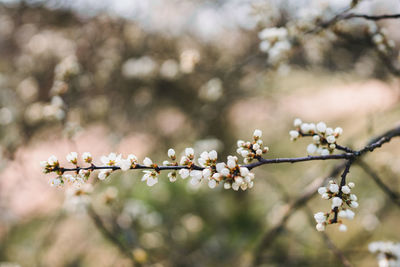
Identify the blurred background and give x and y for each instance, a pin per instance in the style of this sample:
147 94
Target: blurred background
143 76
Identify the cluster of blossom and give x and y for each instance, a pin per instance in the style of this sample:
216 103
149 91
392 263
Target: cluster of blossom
231 174
252 150
275 42
324 138
388 253
342 201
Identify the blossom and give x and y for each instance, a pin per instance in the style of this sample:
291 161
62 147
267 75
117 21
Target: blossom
172 176
52 161
320 227
336 202
321 127
111 159
320 217
354 204
345 189
311 149
184 173
103 174
331 139
334 188
87 157
147 162
213 155
297 122
257 133
322 190
189 152
171 154
124 164
342 228
72 157
151 177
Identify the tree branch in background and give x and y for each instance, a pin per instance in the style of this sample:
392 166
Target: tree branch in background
394 196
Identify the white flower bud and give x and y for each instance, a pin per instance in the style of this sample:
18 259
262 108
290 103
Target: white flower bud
329 131
235 186
322 190
350 214
147 162
345 189
189 152
244 153
311 149
151 181
342 214
336 202
220 166
338 131
240 143
213 155
184 173
332 146
231 164
259 152
294 134
325 196
334 188
342 228
316 138
331 139
354 204
353 197
297 122
196 174
257 133
103 174
224 172
321 127
171 153
52 160
172 176
244 171
325 152
239 180
212 184
351 185
207 173
227 185
87 157
124 164
320 227
320 217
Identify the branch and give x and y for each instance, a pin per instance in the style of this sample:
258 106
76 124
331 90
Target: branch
110 235
394 196
368 17
311 190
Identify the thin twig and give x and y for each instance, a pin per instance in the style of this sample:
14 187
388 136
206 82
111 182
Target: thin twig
394 196
110 235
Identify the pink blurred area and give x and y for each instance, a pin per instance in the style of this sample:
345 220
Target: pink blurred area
25 189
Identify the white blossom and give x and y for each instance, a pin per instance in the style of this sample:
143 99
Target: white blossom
320 217
87 157
342 228
147 162
189 152
184 173
311 149
345 189
351 185
124 164
353 197
321 127
334 188
52 160
171 153
354 204
212 183
331 139
213 155
297 122
322 190
336 202
320 227
257 133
